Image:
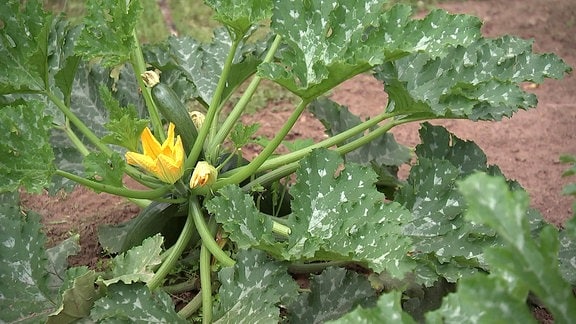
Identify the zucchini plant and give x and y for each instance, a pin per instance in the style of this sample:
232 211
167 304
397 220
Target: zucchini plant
87 104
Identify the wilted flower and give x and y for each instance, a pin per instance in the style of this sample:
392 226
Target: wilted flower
197 118
166 161
204 174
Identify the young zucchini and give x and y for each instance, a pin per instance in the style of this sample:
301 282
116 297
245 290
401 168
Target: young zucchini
172 109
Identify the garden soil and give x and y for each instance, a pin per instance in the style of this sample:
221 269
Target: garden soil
526 147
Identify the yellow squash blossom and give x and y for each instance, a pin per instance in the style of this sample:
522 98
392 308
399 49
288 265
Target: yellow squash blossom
204 174
166 161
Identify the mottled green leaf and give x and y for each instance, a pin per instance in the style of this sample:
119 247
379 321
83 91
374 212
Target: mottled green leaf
477 81
332 294
58 259
482 299
136 264
23 46
567 256
340 212
240 16
105 169
246 225
193 69
26 157
78 295
108 30
388 310
383 150
135 303
252 289
532 262
62 61
23 277
331 41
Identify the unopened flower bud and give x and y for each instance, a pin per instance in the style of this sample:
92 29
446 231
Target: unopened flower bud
204 174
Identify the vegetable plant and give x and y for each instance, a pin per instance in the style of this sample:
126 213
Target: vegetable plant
87 104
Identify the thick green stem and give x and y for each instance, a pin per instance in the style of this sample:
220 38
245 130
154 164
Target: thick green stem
250 169
205 233
124 192
192 306
206 284
174 255
334 140
279 171
74 139
181 287
139 66
210 121
242 103
87 132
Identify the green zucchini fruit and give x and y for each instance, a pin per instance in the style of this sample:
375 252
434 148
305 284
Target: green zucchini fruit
174 111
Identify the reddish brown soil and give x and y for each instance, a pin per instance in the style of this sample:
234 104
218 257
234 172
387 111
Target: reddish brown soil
526 147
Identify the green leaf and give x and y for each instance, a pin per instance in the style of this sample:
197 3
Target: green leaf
341 213
332 294
136 264
477 81
193 69
246 225
482 299
331 41
108 31
26 157
242 134
251 290
388 310
23 46
62 61
135 303
78 296
23 277
531 262
443 241
105 169
383 150
124 125
58 259
240 16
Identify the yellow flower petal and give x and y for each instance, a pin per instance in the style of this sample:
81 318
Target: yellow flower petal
150 145
166 161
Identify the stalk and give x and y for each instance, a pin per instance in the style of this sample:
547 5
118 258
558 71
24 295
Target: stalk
248 170
139 66
192 306
239 108
78 123
207 127
205 233
206 284
174 255
124 192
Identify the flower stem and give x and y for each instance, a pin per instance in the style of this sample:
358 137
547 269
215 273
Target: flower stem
174 255
118 191
213 110
206 284
205 233
242 103
139 66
